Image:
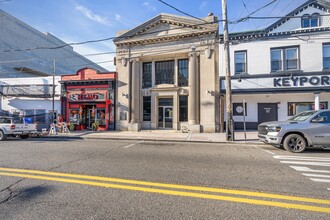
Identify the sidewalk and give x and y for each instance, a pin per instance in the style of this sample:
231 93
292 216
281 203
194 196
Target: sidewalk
163 135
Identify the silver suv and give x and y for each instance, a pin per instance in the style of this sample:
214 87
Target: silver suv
307 129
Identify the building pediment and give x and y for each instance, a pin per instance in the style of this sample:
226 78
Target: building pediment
166 27
292 21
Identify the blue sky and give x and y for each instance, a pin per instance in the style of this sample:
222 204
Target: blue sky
83 20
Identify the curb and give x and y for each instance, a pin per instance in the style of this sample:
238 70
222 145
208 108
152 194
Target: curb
254 142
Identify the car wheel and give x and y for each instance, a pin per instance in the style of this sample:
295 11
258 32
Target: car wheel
3 136
294 143
24 136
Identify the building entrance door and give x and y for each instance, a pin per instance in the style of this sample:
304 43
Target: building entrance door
267 112
165 117
91 117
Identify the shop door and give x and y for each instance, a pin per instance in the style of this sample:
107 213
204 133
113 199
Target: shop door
267 112
165 117
91 118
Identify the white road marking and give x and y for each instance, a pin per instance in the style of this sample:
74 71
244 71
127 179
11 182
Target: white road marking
302 158
307 163
306 169
264 150
321 180
131 145
316 175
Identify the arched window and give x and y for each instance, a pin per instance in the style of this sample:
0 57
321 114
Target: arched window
305 21
310 20
315 20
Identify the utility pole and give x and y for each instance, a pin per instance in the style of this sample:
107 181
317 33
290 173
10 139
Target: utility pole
229 121
53 94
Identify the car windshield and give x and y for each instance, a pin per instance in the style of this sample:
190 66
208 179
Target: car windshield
302 116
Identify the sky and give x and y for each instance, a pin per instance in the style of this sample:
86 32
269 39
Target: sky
84 20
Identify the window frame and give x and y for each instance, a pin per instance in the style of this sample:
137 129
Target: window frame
186 78
163 74
307 20
323 57
244 52
144 101
292 112
146 75
284 58
181 113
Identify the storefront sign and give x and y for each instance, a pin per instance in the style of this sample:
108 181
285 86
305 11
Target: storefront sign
87 97
302 81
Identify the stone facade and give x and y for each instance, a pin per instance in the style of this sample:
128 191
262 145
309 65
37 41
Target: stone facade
167 41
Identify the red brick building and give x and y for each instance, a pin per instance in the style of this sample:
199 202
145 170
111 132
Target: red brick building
88 99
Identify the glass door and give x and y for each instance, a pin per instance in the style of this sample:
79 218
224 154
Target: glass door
91 118
165 117
168 117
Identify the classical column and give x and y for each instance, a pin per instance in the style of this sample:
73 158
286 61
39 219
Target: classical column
193 87
317 100
135 93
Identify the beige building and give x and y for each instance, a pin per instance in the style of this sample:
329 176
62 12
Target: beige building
168 75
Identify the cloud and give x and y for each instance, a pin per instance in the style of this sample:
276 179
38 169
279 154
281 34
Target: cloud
123 20
149 6
204 7
94 17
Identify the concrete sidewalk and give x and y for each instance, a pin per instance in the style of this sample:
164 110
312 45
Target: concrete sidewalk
162 135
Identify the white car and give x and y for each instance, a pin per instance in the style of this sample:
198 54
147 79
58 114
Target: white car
13 127
307 129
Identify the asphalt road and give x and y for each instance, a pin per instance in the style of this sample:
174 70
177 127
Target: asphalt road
106 179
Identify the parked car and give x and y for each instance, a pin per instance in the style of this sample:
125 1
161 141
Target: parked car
307 129
10 126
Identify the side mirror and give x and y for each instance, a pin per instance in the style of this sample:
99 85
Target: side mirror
319 119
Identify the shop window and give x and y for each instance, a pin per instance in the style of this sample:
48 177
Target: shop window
183 108
146 108
74 115
147 75
326 56
164 72
41 116
100 116
29 116
297 107
283 59
240 62
183 73
308 21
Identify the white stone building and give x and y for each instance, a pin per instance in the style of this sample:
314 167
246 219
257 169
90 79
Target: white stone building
283 69
168 75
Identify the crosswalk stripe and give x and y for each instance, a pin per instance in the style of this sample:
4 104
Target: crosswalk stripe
307 163
318 159
307 169
321 180
316 175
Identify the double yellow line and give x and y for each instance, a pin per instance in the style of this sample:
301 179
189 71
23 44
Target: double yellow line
240 196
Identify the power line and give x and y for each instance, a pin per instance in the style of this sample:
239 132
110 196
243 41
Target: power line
106 39
255 11
182 12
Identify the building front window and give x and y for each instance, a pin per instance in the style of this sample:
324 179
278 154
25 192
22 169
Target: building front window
308 21
164 72
146 75
183 108
146 108
283 59
183 72
240 62
297 107
326 56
